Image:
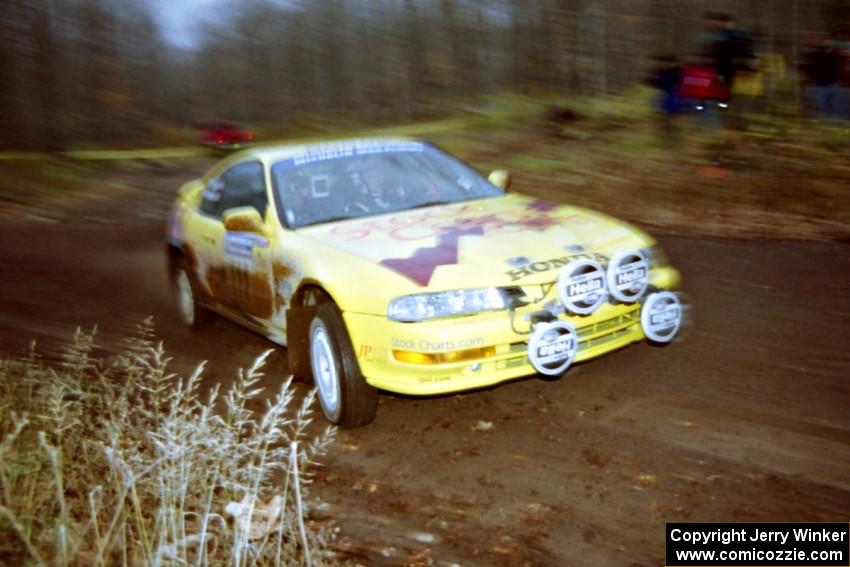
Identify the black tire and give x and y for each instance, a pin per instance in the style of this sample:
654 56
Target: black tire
187 297
347 399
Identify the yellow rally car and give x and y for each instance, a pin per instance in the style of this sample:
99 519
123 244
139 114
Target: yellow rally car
387 264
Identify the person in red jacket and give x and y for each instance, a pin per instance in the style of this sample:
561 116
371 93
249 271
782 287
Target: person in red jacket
704 88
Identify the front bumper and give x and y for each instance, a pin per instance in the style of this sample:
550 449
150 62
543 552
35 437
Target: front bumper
483 349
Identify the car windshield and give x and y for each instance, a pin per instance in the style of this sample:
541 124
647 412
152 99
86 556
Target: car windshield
338 182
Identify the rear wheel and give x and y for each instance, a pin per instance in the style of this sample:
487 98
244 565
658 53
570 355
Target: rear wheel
188 301
346 399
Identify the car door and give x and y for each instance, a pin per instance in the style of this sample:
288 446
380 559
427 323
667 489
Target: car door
238 262
205 232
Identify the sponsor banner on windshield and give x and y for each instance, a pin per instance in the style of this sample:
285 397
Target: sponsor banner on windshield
325 152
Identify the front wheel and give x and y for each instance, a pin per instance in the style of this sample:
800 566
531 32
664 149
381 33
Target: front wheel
192 312
346 399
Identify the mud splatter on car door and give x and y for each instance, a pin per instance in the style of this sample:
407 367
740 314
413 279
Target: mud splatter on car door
247 275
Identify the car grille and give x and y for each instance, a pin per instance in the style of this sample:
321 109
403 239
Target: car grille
597 334
590 337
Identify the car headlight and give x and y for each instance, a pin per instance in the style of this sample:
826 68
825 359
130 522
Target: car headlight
656 255
410 308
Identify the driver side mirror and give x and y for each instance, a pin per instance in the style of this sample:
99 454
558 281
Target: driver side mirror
500 178
243 219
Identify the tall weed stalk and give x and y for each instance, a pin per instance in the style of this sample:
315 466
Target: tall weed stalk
128 463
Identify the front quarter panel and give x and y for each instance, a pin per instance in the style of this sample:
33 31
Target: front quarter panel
354 284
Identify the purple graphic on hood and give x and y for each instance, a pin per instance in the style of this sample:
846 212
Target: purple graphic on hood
541 205
421 265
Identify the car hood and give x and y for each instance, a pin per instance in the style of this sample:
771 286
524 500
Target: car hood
509 240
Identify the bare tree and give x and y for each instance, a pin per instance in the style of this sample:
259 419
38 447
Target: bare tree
79 72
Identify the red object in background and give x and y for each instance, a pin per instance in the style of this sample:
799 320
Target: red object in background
712 170
224 134
702 83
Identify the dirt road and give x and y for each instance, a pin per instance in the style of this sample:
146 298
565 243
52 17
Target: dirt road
747 420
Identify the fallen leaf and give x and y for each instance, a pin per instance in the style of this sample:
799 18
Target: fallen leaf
422 537
645 480
503 549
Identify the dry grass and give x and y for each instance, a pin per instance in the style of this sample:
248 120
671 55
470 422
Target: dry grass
127 463
756 176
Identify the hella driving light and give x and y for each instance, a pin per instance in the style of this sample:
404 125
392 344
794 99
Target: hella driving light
552 347
411 308
581 286
628 275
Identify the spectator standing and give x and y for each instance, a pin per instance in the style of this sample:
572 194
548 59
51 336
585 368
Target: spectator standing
824 72
735 51
666 76
728 49
842 45
704 89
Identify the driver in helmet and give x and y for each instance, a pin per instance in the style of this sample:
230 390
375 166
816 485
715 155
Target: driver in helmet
378 190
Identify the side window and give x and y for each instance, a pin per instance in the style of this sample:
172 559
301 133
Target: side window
243 185
212 197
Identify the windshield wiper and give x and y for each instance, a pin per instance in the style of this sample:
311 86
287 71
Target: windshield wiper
429 204
329 219
349 217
